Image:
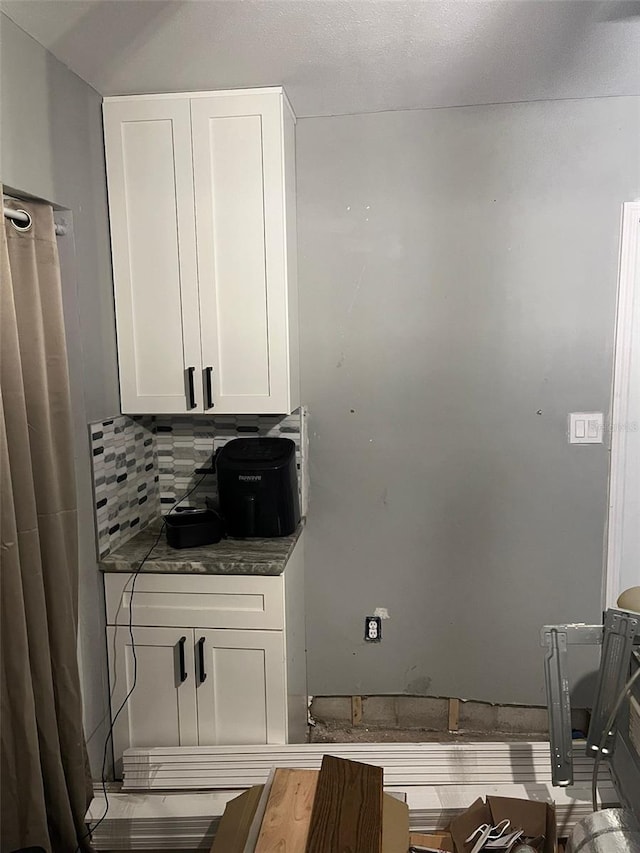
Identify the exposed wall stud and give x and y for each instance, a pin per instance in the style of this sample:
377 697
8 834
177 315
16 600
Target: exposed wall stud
454 714
356 710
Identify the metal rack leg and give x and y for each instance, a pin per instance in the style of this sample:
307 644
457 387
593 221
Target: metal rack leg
620 629
559 705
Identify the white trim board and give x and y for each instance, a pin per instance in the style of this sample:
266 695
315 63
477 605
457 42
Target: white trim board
189 821
410 764
623 537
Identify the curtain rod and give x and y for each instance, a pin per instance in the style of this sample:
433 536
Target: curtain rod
24 220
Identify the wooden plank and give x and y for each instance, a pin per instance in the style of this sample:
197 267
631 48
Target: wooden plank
235 823
287 817
347 810
454 714
356 710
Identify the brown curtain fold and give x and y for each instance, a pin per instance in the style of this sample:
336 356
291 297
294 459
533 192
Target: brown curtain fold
44 788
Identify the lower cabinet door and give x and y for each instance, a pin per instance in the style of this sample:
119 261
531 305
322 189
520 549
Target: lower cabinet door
161 710
240 692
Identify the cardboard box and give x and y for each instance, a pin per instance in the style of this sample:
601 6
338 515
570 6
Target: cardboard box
433 840
535 818
235 823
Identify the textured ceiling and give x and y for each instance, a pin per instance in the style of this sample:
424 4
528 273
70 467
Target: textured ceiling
347 56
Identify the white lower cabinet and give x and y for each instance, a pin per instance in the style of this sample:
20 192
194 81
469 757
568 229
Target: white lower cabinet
219 659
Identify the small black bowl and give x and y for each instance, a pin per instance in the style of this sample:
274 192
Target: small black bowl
193 528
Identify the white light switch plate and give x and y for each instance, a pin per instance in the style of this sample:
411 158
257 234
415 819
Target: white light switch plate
586 427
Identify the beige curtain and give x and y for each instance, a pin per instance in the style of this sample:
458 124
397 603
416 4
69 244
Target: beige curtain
44 786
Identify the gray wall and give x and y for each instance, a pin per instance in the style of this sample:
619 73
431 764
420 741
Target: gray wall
52 149
458 283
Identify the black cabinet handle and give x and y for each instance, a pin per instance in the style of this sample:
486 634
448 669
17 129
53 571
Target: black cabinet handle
183 671
208 389
191 391
202 675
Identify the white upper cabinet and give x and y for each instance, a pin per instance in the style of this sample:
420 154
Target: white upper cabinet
202 207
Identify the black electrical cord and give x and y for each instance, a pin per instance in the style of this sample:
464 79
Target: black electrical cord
610 723
109 737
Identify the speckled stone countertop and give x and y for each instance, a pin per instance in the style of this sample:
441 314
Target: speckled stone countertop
227 557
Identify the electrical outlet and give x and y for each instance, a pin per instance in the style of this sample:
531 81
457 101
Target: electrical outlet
373 629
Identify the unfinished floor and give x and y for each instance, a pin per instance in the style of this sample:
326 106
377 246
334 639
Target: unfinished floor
420 719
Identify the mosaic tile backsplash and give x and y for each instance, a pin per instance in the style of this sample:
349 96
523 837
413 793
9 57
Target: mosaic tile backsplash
142 466
125 479
185 443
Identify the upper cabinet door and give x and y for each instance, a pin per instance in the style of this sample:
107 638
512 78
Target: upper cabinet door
151 206
249 332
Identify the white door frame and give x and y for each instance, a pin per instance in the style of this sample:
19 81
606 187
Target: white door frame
626 355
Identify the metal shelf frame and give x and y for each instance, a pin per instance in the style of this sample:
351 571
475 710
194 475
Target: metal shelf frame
617 636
